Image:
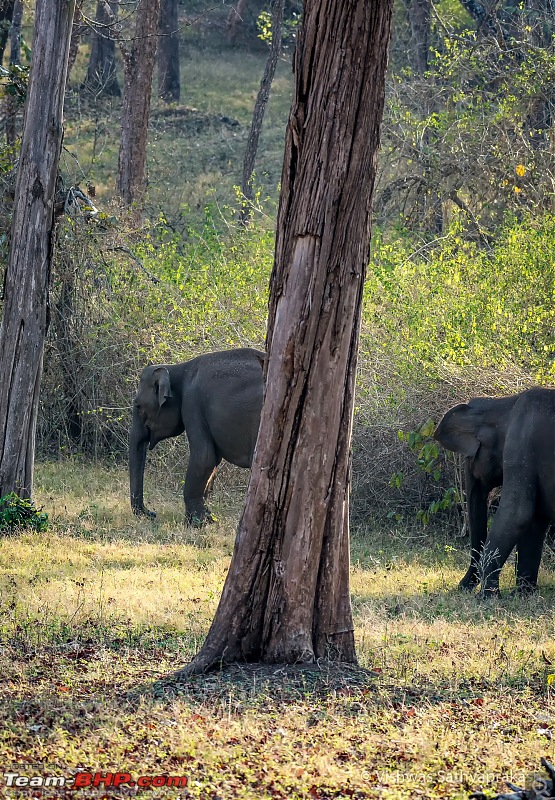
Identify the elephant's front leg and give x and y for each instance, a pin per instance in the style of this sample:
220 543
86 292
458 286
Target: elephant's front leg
202 463
477 499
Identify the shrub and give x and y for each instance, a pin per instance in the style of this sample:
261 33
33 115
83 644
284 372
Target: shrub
16 512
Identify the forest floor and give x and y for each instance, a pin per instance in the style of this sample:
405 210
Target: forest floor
453 694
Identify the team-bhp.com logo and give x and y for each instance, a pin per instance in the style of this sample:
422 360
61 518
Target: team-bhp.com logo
84 779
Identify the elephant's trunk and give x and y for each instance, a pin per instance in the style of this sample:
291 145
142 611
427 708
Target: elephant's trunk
139 437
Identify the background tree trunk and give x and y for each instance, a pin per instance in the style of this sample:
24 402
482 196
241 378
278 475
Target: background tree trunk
235 20
6 14
259 109
419 13
102 77
15 58
286 597
138 70
25 318
15 33
76 32
169 87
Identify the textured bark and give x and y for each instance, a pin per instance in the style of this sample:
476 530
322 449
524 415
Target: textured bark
260 108
26 286
138 71
286 597
169 87
102 77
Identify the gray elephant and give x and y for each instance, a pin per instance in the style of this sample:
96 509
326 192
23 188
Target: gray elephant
508 441
216 399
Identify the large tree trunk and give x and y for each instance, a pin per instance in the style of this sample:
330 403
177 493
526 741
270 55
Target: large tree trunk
259 109
102 77
168 53
26 285
138 69
286 597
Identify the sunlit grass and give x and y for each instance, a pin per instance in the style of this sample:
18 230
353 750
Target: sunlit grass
98 612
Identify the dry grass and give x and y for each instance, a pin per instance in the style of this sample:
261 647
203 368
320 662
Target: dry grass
96 615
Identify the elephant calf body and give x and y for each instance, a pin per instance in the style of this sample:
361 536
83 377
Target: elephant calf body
216 399
507 441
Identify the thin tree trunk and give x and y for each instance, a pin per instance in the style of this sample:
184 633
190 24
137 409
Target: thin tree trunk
259 110
26 286
419 12
168 53
138 69
15 58
102 77
235 20
15 33
6 14
286 597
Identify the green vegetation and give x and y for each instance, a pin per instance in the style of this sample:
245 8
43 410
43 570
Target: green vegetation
17 512
97 613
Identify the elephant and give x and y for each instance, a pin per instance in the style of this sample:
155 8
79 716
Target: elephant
216 399
508 442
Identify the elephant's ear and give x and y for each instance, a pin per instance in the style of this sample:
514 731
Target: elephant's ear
458 430
162 383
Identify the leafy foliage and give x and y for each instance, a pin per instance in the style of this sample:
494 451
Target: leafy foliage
456 304
18 512
428 460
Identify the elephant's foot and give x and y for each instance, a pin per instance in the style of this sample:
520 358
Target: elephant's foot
198 519
524 588
469 581
141 511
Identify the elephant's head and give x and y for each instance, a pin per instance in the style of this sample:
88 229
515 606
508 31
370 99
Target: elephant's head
477 430
156 406
459 430
156 416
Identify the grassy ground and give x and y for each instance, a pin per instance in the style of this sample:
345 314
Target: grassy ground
452 693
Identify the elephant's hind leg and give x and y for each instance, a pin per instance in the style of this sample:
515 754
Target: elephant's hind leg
529 552
512 522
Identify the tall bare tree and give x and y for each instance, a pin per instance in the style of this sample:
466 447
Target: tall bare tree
169 86
26 283
260 109
286 597
138 63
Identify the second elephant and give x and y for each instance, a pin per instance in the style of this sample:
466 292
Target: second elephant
216 399
507 441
